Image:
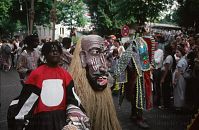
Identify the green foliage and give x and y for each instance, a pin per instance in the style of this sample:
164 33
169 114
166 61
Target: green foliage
71 12
141 11
4 8
12 19
42 12
110 15
4 16
103 14
188 14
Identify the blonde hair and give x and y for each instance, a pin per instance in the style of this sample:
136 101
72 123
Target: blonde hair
98 105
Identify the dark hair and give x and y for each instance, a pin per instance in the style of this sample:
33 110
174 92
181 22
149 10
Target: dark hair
168 50
30 39
43 40
48 46
115 51
180 47
66 42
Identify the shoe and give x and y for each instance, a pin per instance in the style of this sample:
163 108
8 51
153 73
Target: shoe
142 124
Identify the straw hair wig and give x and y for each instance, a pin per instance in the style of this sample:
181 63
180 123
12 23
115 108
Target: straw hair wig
98 104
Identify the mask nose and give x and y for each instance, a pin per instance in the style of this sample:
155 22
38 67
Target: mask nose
103 69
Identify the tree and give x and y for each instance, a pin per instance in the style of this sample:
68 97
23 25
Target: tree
111 15
141 11
41 9
4 15
14 14
103 15
72 13
188 14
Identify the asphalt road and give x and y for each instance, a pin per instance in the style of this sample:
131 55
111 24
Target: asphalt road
156 118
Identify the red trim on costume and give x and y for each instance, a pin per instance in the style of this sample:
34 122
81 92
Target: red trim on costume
148 89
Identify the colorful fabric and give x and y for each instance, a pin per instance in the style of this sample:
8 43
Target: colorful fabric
140 94
124 60
143 53
148 89
49 82
129 56
145 86
151 45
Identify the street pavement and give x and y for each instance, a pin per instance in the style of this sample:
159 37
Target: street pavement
156 118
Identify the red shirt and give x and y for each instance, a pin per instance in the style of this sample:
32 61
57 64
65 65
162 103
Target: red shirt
53 83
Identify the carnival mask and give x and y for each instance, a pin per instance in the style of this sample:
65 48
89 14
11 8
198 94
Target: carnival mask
93 60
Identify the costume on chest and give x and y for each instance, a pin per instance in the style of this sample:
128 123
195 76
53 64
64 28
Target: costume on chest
143 52
151 44
145 64
137 54
131 59
53 83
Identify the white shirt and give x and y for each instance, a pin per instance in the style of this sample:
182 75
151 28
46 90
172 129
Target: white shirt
158 58
168 60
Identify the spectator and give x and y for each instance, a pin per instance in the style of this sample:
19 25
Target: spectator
66 57
158 60
28 59
166 77
179 82
6 55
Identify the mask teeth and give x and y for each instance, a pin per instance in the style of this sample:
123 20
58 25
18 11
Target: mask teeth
103 60
102 77
94 66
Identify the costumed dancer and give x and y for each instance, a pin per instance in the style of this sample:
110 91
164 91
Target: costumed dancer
89 71
134 88
146 47
48 100
148 76
146 70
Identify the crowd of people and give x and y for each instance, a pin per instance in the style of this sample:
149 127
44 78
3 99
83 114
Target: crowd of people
163 64
173 69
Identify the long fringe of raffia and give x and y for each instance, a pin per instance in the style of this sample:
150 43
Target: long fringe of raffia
98 105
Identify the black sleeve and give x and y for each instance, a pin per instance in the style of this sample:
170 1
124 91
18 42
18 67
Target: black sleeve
24 105
72 97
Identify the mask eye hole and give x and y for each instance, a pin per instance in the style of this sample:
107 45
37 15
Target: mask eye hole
95 51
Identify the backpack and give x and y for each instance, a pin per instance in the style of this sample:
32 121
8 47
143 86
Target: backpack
7 49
